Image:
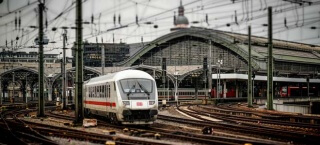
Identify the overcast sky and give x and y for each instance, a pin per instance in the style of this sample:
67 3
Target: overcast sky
300 19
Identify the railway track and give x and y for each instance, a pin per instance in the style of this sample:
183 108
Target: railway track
14 131
21 131
252 117
180 135
296 137
293 118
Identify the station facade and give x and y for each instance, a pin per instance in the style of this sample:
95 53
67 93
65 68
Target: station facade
185 49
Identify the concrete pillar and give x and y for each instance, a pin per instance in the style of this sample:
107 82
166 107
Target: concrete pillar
49 92
224 89
27 93
31 93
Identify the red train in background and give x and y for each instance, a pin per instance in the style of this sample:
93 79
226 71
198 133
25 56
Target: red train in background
231 93
294 91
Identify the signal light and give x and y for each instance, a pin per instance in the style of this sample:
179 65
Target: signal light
126 103
152 102
205 63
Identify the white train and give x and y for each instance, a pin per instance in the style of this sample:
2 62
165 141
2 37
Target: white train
126 97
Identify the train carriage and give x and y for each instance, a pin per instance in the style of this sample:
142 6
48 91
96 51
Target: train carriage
127 97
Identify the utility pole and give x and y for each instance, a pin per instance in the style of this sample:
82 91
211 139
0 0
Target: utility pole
270 62
79 65
210 69
102 57
41 67
64 73
249 70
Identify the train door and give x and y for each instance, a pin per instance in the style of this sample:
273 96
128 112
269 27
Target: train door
111 96
105 96
86 94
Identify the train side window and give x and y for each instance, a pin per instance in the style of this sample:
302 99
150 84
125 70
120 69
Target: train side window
104 91
109 90
101 91
89 91
95 91
99 95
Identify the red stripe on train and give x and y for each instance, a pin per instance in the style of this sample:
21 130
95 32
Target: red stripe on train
110 104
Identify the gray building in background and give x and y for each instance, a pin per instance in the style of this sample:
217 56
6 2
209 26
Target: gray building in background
11 56
114 52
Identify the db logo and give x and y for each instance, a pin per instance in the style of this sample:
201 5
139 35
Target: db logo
139 104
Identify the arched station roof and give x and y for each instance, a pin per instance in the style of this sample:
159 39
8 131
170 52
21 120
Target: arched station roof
215 36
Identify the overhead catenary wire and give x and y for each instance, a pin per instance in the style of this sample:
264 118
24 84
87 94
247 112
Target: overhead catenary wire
171 17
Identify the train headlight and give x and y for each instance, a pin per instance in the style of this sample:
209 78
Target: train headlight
126 103
152 102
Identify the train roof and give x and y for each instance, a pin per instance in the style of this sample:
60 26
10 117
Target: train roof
125 74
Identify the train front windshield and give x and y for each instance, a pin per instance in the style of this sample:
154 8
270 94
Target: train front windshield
137 89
